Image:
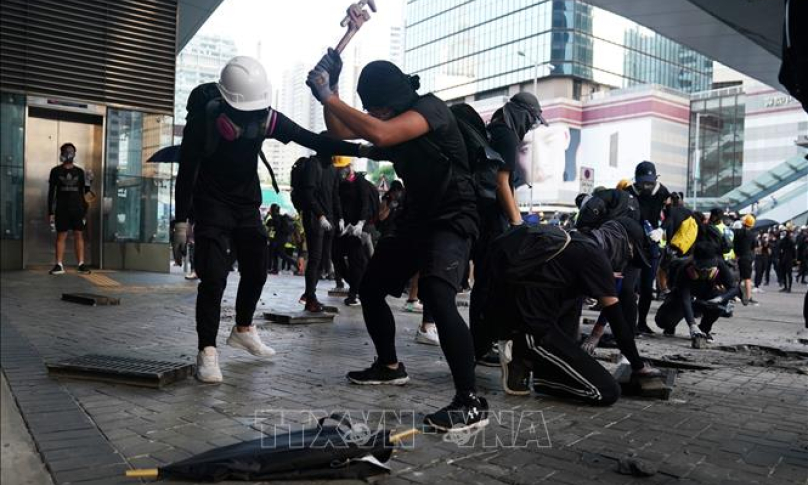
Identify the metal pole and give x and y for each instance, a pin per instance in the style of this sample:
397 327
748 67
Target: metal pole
696 161
533 135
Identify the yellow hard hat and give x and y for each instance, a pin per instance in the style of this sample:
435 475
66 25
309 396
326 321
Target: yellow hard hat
341 162
623 184
749 220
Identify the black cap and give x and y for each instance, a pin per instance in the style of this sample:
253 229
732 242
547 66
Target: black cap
530 102
638 239
645 172
705 255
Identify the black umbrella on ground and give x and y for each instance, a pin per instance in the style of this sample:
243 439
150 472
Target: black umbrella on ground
166 155
324 452
763 224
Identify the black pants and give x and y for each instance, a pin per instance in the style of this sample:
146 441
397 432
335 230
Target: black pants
483 332
319 244
277 251
561 368
787 273
350 261
439 257
212 260
628 296
647 278
761 268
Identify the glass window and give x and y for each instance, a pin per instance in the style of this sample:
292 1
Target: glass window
137 194
12 139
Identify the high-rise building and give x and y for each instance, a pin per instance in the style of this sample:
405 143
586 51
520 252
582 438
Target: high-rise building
200 61
481 47
397 46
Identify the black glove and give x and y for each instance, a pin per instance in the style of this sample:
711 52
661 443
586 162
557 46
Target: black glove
332 64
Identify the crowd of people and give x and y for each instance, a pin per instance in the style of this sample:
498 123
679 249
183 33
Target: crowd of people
452 219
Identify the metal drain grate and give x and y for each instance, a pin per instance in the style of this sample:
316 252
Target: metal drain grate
122 370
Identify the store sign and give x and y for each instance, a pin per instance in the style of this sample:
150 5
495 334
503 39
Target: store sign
776 101
587 179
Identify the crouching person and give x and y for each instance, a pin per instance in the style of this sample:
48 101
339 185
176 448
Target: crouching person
539 275
703 286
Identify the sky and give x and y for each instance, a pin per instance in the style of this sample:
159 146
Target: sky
294 31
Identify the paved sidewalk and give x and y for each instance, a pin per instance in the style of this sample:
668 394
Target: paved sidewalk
744 419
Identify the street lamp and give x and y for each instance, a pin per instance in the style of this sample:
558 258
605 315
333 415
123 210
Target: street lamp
533 135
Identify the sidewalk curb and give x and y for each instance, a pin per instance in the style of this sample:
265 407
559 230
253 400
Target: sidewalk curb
68 441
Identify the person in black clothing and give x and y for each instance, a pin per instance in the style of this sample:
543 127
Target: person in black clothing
280 227
787 253
391 206
219 184
322 217
702 285
802 255
743 245
762 259
350 257
67 208
507 129
539 309
434 233
653 197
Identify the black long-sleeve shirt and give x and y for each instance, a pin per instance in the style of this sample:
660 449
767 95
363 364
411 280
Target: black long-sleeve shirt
354 197
786 250
227 179
321 189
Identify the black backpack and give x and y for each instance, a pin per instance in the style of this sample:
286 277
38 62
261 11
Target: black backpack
484 161
206 100
297 180
518 252
605 205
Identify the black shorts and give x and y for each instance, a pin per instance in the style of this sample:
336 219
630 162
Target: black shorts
70 221
745 267
441 254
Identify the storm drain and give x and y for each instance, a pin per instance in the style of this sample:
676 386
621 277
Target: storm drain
122 370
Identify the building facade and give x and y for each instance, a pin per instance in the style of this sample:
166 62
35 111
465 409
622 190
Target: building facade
75 73
201 61
462 48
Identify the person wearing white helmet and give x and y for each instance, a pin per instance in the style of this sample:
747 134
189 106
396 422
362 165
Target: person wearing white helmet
218 187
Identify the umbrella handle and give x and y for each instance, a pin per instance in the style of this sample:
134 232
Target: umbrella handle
403 435
143 473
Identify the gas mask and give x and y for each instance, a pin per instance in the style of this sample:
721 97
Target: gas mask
702 274
232 126
67 156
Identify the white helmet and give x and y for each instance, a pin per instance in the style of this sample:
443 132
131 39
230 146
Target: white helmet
243 84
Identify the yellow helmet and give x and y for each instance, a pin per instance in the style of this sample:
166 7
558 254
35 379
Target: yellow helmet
749 220
623 184
341 162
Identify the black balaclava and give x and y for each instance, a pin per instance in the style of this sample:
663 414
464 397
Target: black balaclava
520 114
383 85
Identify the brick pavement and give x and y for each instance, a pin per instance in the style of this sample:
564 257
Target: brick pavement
745 420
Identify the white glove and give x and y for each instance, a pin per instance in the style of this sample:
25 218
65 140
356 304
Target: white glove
656 234
325 224
181 233
341 226
347 231
357 229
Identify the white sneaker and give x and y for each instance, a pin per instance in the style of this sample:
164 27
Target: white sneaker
413 307
429 337
191 276
249 341
207 366
757 290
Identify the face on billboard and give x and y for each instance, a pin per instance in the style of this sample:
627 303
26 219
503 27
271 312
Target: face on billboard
542 157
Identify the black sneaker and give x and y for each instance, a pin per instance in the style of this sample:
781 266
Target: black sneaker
378 374
644 328
351 301
669 332
57 269
464 412
490 359
84 269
